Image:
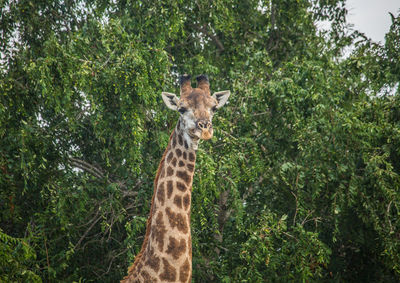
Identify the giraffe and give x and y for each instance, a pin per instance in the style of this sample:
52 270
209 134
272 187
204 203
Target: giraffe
166 253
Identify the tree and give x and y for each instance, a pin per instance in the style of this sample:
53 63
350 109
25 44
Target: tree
299 183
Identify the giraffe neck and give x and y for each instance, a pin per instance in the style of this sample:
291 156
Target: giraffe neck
166 253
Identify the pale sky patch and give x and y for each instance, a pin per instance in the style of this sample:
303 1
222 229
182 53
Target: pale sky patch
371 17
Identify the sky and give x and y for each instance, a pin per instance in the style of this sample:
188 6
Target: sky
372 16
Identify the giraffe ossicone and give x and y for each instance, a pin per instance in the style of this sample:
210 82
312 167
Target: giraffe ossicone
166 253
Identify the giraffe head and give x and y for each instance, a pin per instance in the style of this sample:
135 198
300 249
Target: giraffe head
196 107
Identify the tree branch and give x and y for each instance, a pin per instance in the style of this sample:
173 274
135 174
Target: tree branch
83 165
99 174
215 38
223 214
88 229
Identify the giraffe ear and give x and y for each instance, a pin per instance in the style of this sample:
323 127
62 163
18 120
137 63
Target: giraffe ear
171 100
221 97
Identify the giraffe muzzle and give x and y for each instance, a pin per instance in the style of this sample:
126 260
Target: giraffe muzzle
206 129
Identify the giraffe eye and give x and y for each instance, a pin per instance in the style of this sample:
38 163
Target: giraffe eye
182 110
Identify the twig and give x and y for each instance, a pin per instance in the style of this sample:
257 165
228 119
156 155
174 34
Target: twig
305 219
108 59
111 261
47 257
88 230
291 236
295 214
262 113
387 214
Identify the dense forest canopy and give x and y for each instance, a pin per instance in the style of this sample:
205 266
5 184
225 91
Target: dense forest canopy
300 182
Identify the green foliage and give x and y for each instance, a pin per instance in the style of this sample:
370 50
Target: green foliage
16 260
274 251
300 182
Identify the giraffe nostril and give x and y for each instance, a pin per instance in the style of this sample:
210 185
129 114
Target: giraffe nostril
203 124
